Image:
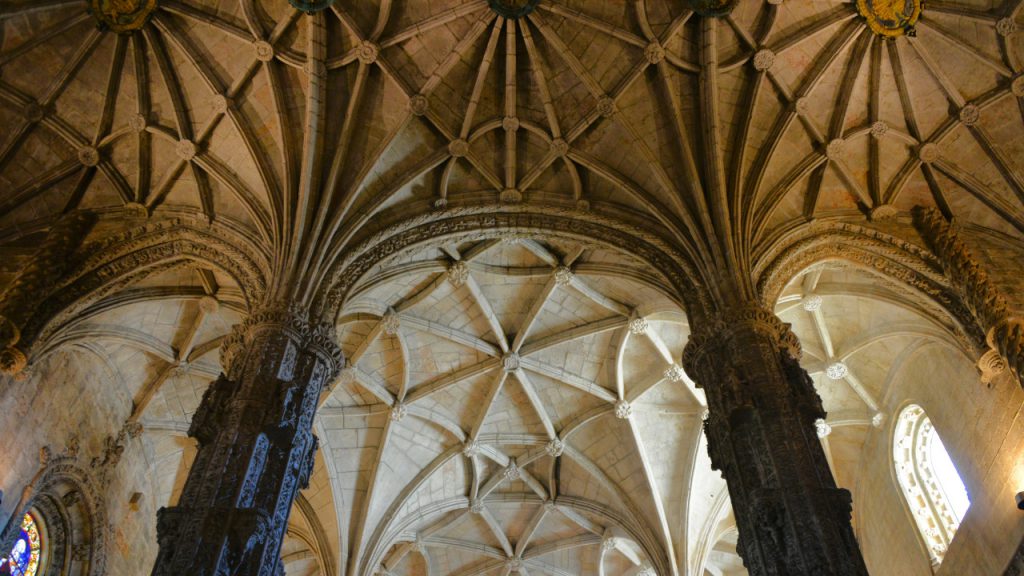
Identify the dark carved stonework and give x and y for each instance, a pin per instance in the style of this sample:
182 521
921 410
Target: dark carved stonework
122 16
890 17
256 449
513 8
711 7
23 296
762 405
310 6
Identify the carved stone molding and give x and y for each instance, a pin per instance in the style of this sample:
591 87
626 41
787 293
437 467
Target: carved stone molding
123 259
1004 333
485 222
905 263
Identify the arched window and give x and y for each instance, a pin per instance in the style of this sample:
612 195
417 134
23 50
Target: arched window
930 482
23 559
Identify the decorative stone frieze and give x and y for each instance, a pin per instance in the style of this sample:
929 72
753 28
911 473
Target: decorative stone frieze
1004 333
256 448
762 436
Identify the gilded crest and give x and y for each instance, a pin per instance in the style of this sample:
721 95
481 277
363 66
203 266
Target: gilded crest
122 16
890 17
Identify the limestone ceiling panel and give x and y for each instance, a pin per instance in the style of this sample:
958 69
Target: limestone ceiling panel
511 404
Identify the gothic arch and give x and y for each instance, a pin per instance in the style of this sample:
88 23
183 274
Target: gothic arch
886 255
134 255
491 222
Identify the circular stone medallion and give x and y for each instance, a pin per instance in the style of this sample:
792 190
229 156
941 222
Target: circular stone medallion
122 16
890 17
514 9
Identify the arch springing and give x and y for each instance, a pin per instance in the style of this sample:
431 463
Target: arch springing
929 480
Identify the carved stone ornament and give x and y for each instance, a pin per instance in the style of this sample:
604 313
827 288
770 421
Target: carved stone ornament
419 104
812 303
822 428
718 332
654 52
764 59
1017 86
510 362
990 365
471 449
399 411
638 326
458 273
890 18
311 6
24 295
563 276
675 373
623 410
368 52
606 107
1003 332
122 16
711 7
554 448
513 9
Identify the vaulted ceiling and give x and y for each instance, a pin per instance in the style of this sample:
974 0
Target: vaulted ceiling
468 360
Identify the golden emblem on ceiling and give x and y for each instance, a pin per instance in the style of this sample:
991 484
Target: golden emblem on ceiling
122 16
890 17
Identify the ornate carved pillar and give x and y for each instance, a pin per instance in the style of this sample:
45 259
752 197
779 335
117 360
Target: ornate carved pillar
1004 332
762 405
256 449
21 298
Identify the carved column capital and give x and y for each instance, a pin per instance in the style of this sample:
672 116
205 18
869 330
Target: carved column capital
290 322
720 332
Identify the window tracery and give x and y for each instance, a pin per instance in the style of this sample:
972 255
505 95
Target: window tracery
929 480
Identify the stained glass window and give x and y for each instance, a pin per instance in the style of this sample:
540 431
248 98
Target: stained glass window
24 557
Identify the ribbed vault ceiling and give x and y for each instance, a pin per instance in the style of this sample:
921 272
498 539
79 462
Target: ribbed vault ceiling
469 360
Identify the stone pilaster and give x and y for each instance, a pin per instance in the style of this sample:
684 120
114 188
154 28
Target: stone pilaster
762 408
256 449
1004 332
35 280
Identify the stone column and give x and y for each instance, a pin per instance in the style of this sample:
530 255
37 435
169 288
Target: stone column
256 449
36 279
762 405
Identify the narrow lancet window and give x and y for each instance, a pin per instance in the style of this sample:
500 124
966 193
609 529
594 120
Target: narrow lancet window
930 482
